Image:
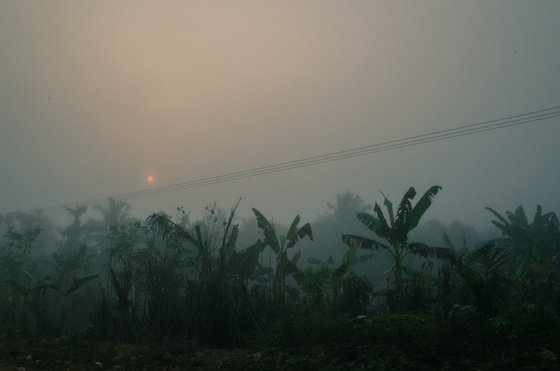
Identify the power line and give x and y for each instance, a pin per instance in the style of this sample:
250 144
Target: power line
495 124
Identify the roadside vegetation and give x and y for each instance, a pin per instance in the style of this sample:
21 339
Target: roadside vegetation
349 291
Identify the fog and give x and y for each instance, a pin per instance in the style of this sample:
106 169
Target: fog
95 97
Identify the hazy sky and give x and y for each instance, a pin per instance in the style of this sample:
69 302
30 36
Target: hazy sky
97 96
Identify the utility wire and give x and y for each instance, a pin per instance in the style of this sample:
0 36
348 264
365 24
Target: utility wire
501 123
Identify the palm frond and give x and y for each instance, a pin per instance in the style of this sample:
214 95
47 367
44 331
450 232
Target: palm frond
518 217
247 260
161 223
426 251
79 282
421 207
502 224
483 274
347 261
268 230
293 227
383 231
389 206
404 211
488 259
370 221
362 258
304 231
315 261
291 268
363 242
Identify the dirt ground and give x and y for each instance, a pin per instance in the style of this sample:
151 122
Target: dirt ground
55 354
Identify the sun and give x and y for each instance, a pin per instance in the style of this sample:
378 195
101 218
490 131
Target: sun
150 178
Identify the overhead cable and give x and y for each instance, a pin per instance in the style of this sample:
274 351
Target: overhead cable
501 123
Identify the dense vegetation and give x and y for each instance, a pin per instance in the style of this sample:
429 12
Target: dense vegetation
210 294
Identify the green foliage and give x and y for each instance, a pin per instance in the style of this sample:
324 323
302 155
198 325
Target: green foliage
71 264
482 273
356 292
285 266
38 302
216 309
346 205
395 232
14 253
337 289
318 287
535 253
14 264
477 279
21 241
179 281
410 330
294 329
80 282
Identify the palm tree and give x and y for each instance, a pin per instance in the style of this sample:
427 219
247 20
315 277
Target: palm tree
327 229
74 234
72 256
347 206
116 212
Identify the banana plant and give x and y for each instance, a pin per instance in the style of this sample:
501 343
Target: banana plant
535 244
344 268
395 232
330 281
280 245
42 296
534 248
40 286
242 263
